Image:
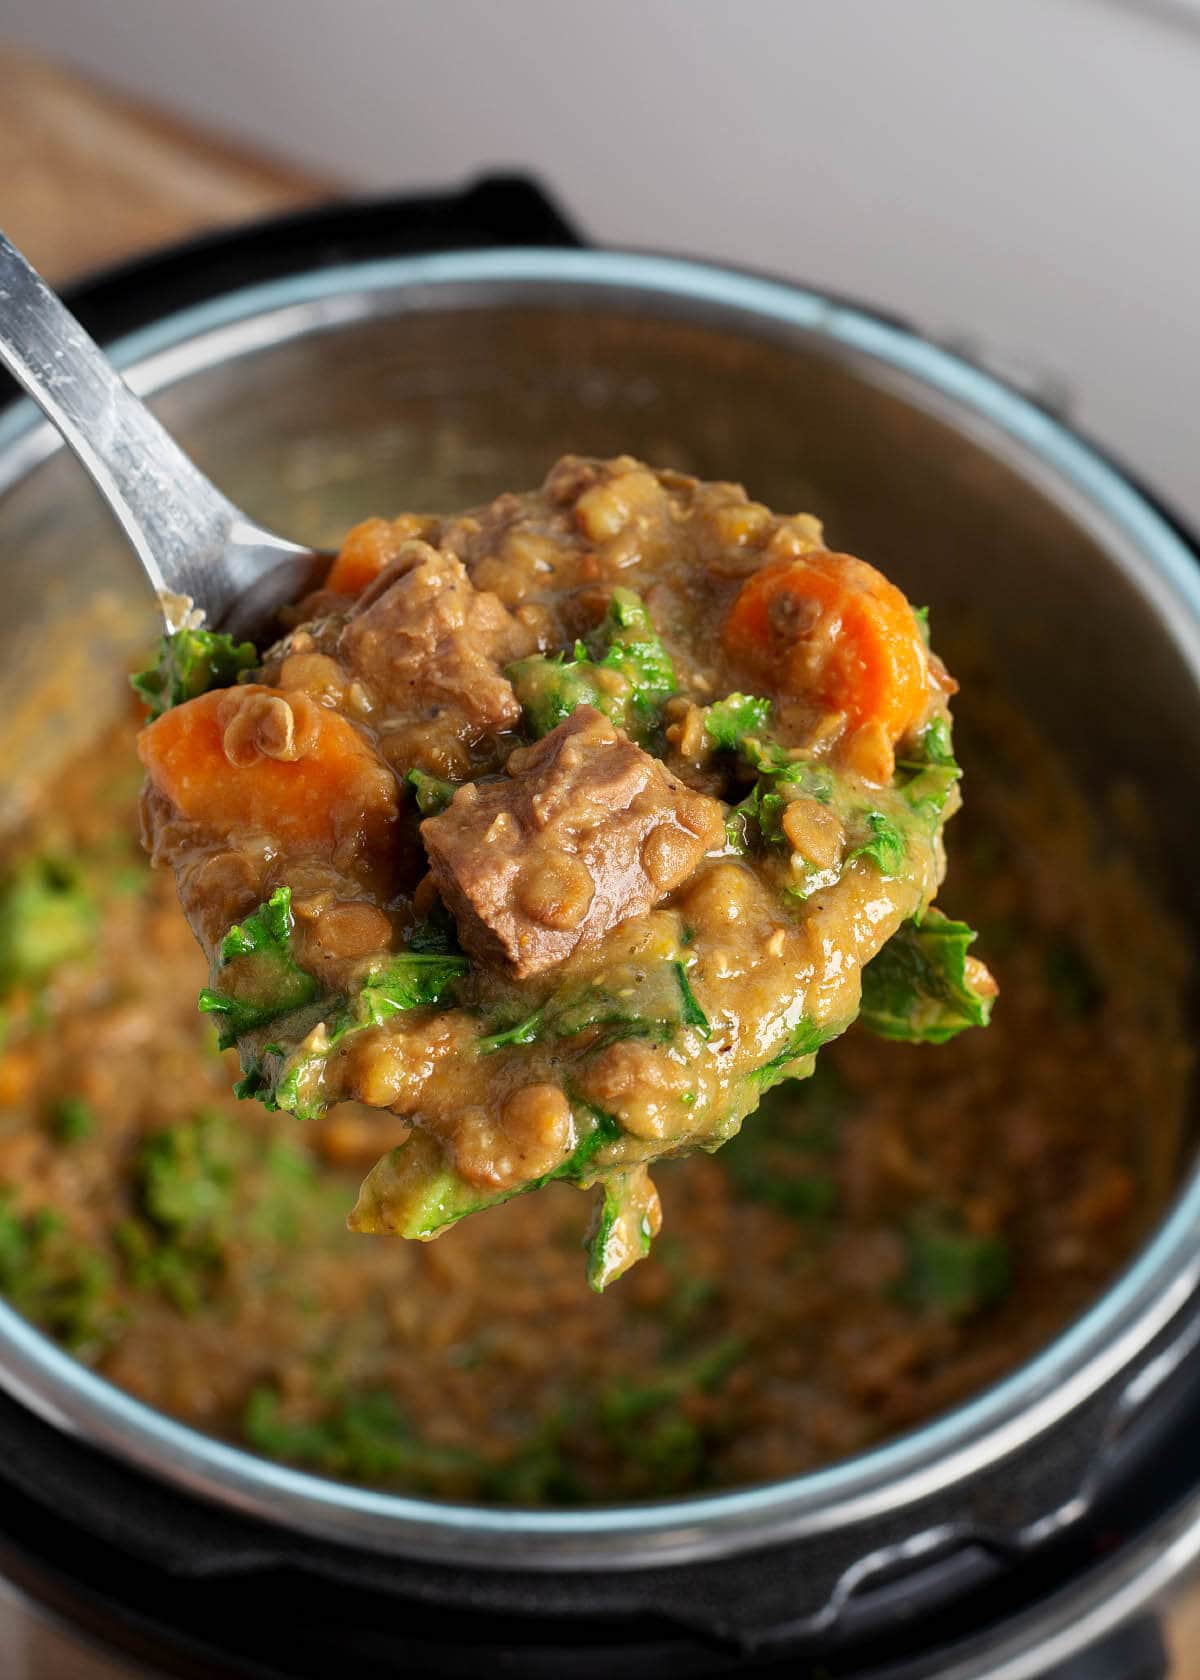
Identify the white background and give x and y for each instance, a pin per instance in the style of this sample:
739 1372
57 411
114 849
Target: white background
1025 172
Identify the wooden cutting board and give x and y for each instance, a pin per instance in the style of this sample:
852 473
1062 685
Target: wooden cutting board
90 178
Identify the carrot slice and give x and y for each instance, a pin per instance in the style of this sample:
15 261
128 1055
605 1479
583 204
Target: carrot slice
830 628
335 790
370 547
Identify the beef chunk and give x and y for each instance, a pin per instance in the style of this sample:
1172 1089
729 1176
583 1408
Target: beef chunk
426 642
584 831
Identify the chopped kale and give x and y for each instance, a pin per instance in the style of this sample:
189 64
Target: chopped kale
625 1403
291 1190
268 1431
780 769
414 1192
409 980
73 1120
950 1270
292 1080
690 1013
261 978
190 662
741 825
185 1181
550 687
362 1436
728 722
54 1280
47 917
626 646
628 642
757 821
937 746
622 1228
647 1424
929 777
526 1031
152 1265
432 793
268 929
885 845
187 1177
539 1472
802 1043
655 1003
922 987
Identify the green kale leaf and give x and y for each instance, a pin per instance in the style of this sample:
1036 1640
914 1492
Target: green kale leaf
190 662
886 845
728 722
927 779
550 687
758 819
47 917
648 1424
432 793
185 1181
949 1270
920 988
653 1003
690 1012
362 1436
292 1078
622 1227
414 1192
261 979
56 1281
412 980
628 642
73 1120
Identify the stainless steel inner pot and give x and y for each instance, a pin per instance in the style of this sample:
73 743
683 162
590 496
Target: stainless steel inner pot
437 381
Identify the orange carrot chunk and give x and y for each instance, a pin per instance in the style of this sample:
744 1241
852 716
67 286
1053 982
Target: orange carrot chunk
368 548
830 629
269 761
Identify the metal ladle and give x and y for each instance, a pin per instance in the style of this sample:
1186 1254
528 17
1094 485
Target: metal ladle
191 541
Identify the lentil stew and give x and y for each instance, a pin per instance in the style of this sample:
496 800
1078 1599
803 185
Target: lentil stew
564 830
883 1239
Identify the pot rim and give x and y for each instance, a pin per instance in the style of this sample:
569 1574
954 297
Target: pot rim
1093 1350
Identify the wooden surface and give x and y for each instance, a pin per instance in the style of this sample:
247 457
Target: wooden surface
88 178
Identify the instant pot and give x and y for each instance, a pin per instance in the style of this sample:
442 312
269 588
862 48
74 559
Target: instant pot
433 352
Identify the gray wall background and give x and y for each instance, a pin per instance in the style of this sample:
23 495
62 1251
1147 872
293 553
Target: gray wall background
1024 172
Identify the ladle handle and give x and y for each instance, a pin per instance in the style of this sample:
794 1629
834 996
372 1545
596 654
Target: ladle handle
179 523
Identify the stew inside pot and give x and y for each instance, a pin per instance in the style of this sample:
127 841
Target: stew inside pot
879 1242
